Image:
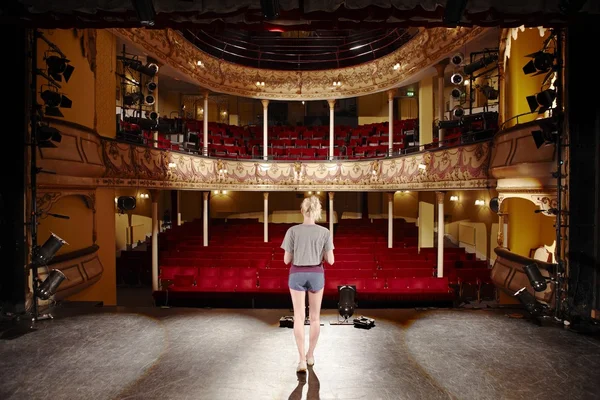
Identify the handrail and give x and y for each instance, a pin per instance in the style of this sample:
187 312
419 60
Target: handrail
517 118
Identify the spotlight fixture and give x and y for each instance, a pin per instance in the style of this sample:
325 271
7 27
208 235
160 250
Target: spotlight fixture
48 250
489 92
532 306
545 135
457 59
151 86
53 101
456 78
133 98
543 100
48 288
150 69
540 63
481 63
153 115
47 135
458 112
536 279
126 203
455 93
59 67
149 99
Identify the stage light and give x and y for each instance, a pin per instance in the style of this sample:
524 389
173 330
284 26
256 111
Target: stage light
46 135
53 101
458 112
346 302
151 86
534 307
536 279
149 99
481 63
48 288
456 78
541 63
126 203
547 134
270 9
457 59
543 100
133 98
47 251
59 67
489 92
153 115
150 69
456 93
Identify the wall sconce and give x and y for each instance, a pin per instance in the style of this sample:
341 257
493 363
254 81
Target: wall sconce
223 171
199 63
337 83
260 84
479 202
172 165
303 102
144 196
220 192
396 67
422 166
453 198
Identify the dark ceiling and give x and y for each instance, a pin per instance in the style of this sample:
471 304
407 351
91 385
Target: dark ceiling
294 15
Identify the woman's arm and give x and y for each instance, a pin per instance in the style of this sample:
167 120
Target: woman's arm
328 256
288 257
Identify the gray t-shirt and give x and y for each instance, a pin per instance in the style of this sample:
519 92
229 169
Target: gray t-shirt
308 243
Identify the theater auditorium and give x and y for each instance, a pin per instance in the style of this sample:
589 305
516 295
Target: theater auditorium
165 148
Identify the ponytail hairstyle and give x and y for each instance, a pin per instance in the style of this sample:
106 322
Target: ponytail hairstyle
311 207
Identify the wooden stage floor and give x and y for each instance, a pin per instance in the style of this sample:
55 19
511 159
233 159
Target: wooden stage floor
153 353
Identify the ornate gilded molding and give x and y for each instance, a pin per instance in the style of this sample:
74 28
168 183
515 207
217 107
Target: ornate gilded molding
439 197
425 49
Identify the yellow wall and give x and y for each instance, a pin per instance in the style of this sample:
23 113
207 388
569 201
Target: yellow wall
526 229
373 108
191 205
92 90
70 41
77 230
169 102
408 108
519 85
426 110
105 289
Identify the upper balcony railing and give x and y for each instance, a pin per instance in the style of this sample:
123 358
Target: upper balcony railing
302 54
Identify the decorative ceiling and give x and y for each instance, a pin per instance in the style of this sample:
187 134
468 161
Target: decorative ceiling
297 15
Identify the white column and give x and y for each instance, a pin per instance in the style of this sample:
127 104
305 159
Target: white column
440 96
331 121
155 138
391 93
266 216
265 104
205 219
205 125
154 195
331 195
390 220
179 208
440 230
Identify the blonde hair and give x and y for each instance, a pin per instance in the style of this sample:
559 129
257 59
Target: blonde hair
311 207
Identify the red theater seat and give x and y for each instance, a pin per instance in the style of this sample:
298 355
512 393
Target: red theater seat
273 284
247 285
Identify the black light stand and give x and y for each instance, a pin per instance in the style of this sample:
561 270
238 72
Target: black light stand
490 54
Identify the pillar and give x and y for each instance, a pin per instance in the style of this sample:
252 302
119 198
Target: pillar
205 219
331 195
266 216
426 111
440 68
391 94
440 230
265 104
155 139
331 121
205 126
500 236
179 208
390 220
154 195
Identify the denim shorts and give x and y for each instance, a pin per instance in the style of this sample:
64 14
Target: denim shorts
303 281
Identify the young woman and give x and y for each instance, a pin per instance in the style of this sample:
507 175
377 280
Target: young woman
306 246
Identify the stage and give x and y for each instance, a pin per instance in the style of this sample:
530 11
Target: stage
153 353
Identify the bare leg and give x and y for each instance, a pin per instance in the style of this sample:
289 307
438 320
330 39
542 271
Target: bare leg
299 316
314 303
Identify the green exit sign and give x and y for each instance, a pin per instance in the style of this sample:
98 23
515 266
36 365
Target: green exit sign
410 93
